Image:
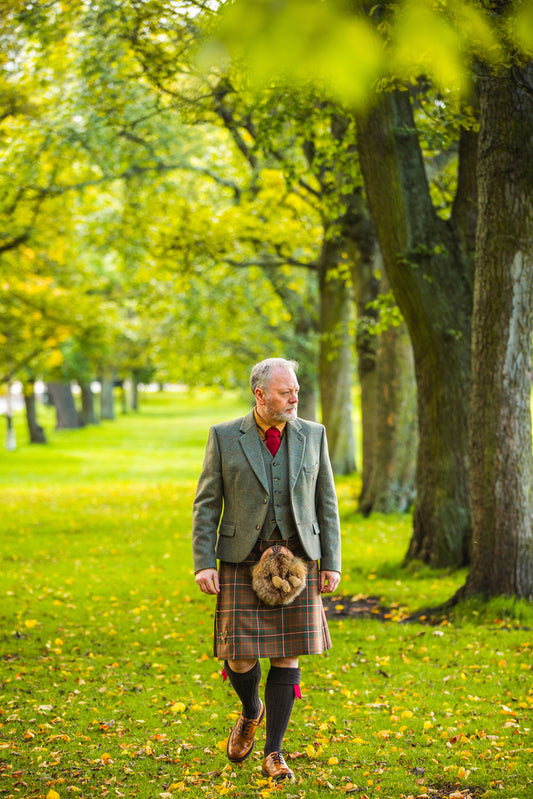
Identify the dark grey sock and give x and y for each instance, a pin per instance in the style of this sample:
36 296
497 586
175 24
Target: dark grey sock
279 699
246 686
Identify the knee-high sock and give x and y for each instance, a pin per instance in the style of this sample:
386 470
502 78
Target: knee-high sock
279 698
246 686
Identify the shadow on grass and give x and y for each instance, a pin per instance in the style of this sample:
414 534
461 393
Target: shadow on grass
500 611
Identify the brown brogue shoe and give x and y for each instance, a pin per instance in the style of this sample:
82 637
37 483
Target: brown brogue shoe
242 737
274 766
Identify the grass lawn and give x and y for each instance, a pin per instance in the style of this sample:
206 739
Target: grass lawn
107 684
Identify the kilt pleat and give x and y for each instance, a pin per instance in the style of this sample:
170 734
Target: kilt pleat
247 628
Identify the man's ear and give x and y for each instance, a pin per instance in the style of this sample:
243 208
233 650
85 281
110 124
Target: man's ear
259 396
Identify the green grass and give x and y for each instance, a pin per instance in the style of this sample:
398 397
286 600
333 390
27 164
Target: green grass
107 684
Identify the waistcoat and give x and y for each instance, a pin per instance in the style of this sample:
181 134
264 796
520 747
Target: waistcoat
279 513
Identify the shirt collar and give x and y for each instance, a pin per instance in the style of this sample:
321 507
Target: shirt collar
262 426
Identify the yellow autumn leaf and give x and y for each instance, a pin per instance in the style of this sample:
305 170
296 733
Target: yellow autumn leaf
30 624
312 752
52 795
333 761
178 707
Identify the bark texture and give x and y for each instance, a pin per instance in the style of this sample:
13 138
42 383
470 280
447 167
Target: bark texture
432 279
500 423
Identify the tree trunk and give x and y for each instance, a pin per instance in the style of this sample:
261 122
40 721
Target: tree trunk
306 398
107 405
87 404
134 392
500 421
392 486
123 398
366 290
388 403
36 432
431 276
66 414
335 361
11 438
360 243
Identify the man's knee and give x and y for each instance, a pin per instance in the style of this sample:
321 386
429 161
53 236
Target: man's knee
284 663
241 666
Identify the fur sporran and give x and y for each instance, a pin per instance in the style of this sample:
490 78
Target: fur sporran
279 576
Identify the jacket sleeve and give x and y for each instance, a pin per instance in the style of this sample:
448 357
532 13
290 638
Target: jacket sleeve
328 512
207 507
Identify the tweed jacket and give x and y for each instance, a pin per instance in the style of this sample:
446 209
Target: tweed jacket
232 496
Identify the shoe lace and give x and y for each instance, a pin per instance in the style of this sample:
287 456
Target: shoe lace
244 725
278 758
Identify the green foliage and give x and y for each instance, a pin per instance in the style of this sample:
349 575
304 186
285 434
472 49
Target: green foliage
388 315
108 684
344 52
131 216
301 40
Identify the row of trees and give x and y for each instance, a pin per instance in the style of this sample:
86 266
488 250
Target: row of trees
160 212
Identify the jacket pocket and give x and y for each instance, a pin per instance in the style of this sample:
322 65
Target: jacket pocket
311 469
227 529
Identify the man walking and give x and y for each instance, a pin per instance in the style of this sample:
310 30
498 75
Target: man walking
266 481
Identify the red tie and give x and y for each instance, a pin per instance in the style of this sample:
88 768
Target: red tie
272 440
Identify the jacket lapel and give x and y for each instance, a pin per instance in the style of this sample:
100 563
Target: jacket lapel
251 445
296 446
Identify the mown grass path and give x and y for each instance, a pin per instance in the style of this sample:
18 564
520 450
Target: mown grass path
107 684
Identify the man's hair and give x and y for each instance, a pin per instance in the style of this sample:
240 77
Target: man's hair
262 372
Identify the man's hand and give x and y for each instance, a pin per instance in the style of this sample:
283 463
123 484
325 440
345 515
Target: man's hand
207 581
329 581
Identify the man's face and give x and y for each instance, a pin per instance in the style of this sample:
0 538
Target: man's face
279 402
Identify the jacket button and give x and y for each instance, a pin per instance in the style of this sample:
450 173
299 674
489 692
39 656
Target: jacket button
257 526
265 501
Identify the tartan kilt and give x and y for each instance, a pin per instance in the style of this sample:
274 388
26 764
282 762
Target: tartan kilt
247 628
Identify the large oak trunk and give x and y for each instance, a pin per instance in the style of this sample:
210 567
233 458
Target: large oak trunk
431 276
500 422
